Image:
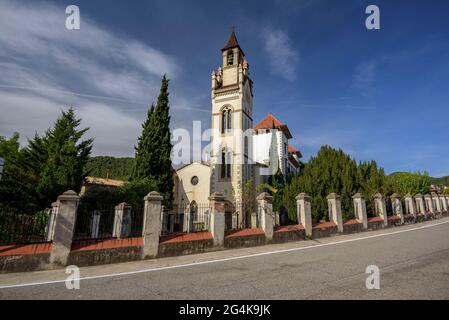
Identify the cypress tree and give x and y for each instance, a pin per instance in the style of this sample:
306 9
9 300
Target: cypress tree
153 153
165 147
145 157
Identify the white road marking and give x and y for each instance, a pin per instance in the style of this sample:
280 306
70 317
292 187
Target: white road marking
226 259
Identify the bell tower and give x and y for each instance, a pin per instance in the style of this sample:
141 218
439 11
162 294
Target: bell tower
232 123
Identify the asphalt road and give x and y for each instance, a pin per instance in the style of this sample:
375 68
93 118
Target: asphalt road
413 262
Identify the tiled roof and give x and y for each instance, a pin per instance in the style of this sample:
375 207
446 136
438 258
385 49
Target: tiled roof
292 149
271 122
104 182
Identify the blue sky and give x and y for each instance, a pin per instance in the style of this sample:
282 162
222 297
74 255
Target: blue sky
379 95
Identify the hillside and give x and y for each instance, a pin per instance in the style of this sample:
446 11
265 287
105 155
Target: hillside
440 181
435 181
110 167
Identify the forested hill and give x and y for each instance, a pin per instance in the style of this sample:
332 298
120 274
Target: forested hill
120 168
110 167
440 181
443 181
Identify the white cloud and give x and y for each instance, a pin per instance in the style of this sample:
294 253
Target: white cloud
283 57
365 77
45 67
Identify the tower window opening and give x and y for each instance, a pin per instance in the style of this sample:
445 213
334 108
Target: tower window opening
230 58
226 120
225 165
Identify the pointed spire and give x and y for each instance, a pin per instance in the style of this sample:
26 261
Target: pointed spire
232 42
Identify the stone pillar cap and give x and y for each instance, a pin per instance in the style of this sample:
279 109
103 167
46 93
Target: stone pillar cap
69 196
122 205
265 196
358 196
303 196
418 195
333 196
217 196
408 195
378 196
395 196
153 196
427 195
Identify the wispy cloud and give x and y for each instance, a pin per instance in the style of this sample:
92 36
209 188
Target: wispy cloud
108 77
283 57
364 78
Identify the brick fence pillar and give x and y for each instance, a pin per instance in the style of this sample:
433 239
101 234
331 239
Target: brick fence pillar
152 224
420 207
217 218
380 207
254 220
429 204
265 204
64 228
334 207
436 203
360 209
304 212
52 221
443 203
410 207
396 205
122 221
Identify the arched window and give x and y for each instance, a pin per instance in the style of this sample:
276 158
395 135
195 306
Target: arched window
226 120
225 165
223 121
230 57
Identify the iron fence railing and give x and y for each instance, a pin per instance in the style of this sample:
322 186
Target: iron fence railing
94 224
100 223
185 218
23 228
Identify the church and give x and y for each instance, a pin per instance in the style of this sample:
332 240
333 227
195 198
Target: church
242 154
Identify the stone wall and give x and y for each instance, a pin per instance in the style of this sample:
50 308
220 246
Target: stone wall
245 238
324 230
185 244
90 253
289 234
375 223
20 258
352 226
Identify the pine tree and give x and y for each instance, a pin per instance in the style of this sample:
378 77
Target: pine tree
57 159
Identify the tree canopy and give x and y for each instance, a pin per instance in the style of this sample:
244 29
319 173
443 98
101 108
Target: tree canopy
50 165
154 148
333 171
110 167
